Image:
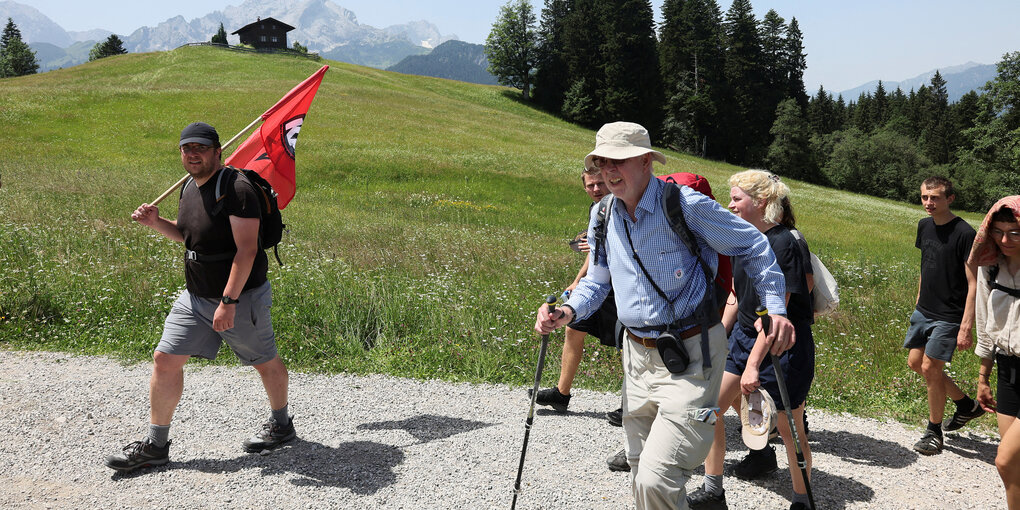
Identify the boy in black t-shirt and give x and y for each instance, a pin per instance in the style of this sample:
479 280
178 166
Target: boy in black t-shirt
944 315
227 298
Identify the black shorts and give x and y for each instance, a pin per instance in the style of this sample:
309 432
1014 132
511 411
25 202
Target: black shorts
601 324
1007 395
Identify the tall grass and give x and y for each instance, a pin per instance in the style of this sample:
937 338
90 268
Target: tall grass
430 222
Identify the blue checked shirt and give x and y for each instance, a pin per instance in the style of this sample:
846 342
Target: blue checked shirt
675 270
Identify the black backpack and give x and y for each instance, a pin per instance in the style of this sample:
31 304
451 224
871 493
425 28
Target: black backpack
271 224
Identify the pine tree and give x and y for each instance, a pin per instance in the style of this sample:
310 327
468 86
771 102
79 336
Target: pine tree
790 151
935 139
108 48
16 57
552 77
510 46
692 61
748 119
632 85
796 63
879 106
582 53
773 47
220 37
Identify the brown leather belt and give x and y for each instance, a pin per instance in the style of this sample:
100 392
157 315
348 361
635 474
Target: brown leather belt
649 342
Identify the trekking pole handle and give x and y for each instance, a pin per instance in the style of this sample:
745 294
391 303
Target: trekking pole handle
766 321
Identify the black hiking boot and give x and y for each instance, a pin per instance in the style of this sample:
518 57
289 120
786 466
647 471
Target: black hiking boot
553 398
271 436
618 461
615 418
929 444
139 454
701 499
961 417
757 463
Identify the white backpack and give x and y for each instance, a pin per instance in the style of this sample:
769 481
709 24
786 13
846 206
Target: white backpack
825 296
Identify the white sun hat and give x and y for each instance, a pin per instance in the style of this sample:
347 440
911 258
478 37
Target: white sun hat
758 417
622 140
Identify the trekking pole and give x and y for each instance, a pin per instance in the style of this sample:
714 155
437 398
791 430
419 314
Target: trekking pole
550 301
766 324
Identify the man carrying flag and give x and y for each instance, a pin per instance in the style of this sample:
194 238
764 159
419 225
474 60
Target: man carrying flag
228 295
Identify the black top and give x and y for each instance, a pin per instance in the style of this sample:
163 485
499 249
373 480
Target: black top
790 257
944 251
210 235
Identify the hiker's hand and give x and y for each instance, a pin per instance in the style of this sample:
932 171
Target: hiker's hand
984 397
583 244
223 319
964 340
781 336
546 322
749 380
146 214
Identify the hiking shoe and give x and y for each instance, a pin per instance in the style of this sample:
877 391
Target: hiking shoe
799 506
757 463
615 418
618 461
139 454
930 443
271 436
960 418
703 500
553 398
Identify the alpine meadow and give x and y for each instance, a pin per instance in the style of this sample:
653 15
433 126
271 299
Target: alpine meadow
430 222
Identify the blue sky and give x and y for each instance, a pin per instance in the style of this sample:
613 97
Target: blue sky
848 42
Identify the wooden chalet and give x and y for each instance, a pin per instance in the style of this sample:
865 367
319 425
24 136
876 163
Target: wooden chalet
264 33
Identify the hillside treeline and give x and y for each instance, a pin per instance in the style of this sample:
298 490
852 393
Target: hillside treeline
730 87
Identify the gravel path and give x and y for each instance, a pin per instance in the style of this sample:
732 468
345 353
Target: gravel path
383 442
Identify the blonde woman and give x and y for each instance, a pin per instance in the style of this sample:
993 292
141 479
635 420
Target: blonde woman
997 314
759 198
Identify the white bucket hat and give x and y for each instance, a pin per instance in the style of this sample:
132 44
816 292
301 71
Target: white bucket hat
622 140
758 416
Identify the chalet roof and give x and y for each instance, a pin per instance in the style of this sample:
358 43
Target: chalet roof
286 27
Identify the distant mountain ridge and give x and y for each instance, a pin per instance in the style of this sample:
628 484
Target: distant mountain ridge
321 25
453 60
959 80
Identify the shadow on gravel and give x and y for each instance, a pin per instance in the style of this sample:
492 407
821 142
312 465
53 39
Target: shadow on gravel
427 427
364 467
598 415
971 447
830 491
862 450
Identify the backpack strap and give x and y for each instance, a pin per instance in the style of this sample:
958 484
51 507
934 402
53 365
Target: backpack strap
993 273
603 212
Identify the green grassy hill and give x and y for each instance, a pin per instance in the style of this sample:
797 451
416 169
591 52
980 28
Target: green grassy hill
430 221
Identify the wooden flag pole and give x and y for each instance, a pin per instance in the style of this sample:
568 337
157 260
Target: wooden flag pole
224 146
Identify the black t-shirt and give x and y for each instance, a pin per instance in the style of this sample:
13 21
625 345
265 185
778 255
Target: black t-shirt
944 251
210 235
790 257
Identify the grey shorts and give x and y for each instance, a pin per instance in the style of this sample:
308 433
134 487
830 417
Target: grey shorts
938 338
188 329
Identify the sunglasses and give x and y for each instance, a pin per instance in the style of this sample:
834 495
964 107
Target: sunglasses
601 162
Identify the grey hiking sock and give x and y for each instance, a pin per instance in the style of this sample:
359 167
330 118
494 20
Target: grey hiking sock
281 417
802 499
713 484
159 434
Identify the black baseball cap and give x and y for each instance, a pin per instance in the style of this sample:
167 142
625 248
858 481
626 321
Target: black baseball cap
200 132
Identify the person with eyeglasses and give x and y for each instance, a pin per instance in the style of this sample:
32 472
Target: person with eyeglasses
996 254
227 299
943 315
674 347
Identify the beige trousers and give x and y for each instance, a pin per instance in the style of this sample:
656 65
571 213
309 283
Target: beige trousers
669 428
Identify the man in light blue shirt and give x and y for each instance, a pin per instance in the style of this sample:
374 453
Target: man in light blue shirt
660 286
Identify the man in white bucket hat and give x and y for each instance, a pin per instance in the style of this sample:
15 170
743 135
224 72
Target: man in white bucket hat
674 348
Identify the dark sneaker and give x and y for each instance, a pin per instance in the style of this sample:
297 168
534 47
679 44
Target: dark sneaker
757 463
703 500
799 506
271 436
139 454
553 398
930 444
960 418
618 461
615 418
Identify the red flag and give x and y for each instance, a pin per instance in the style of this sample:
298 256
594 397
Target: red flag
270 150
